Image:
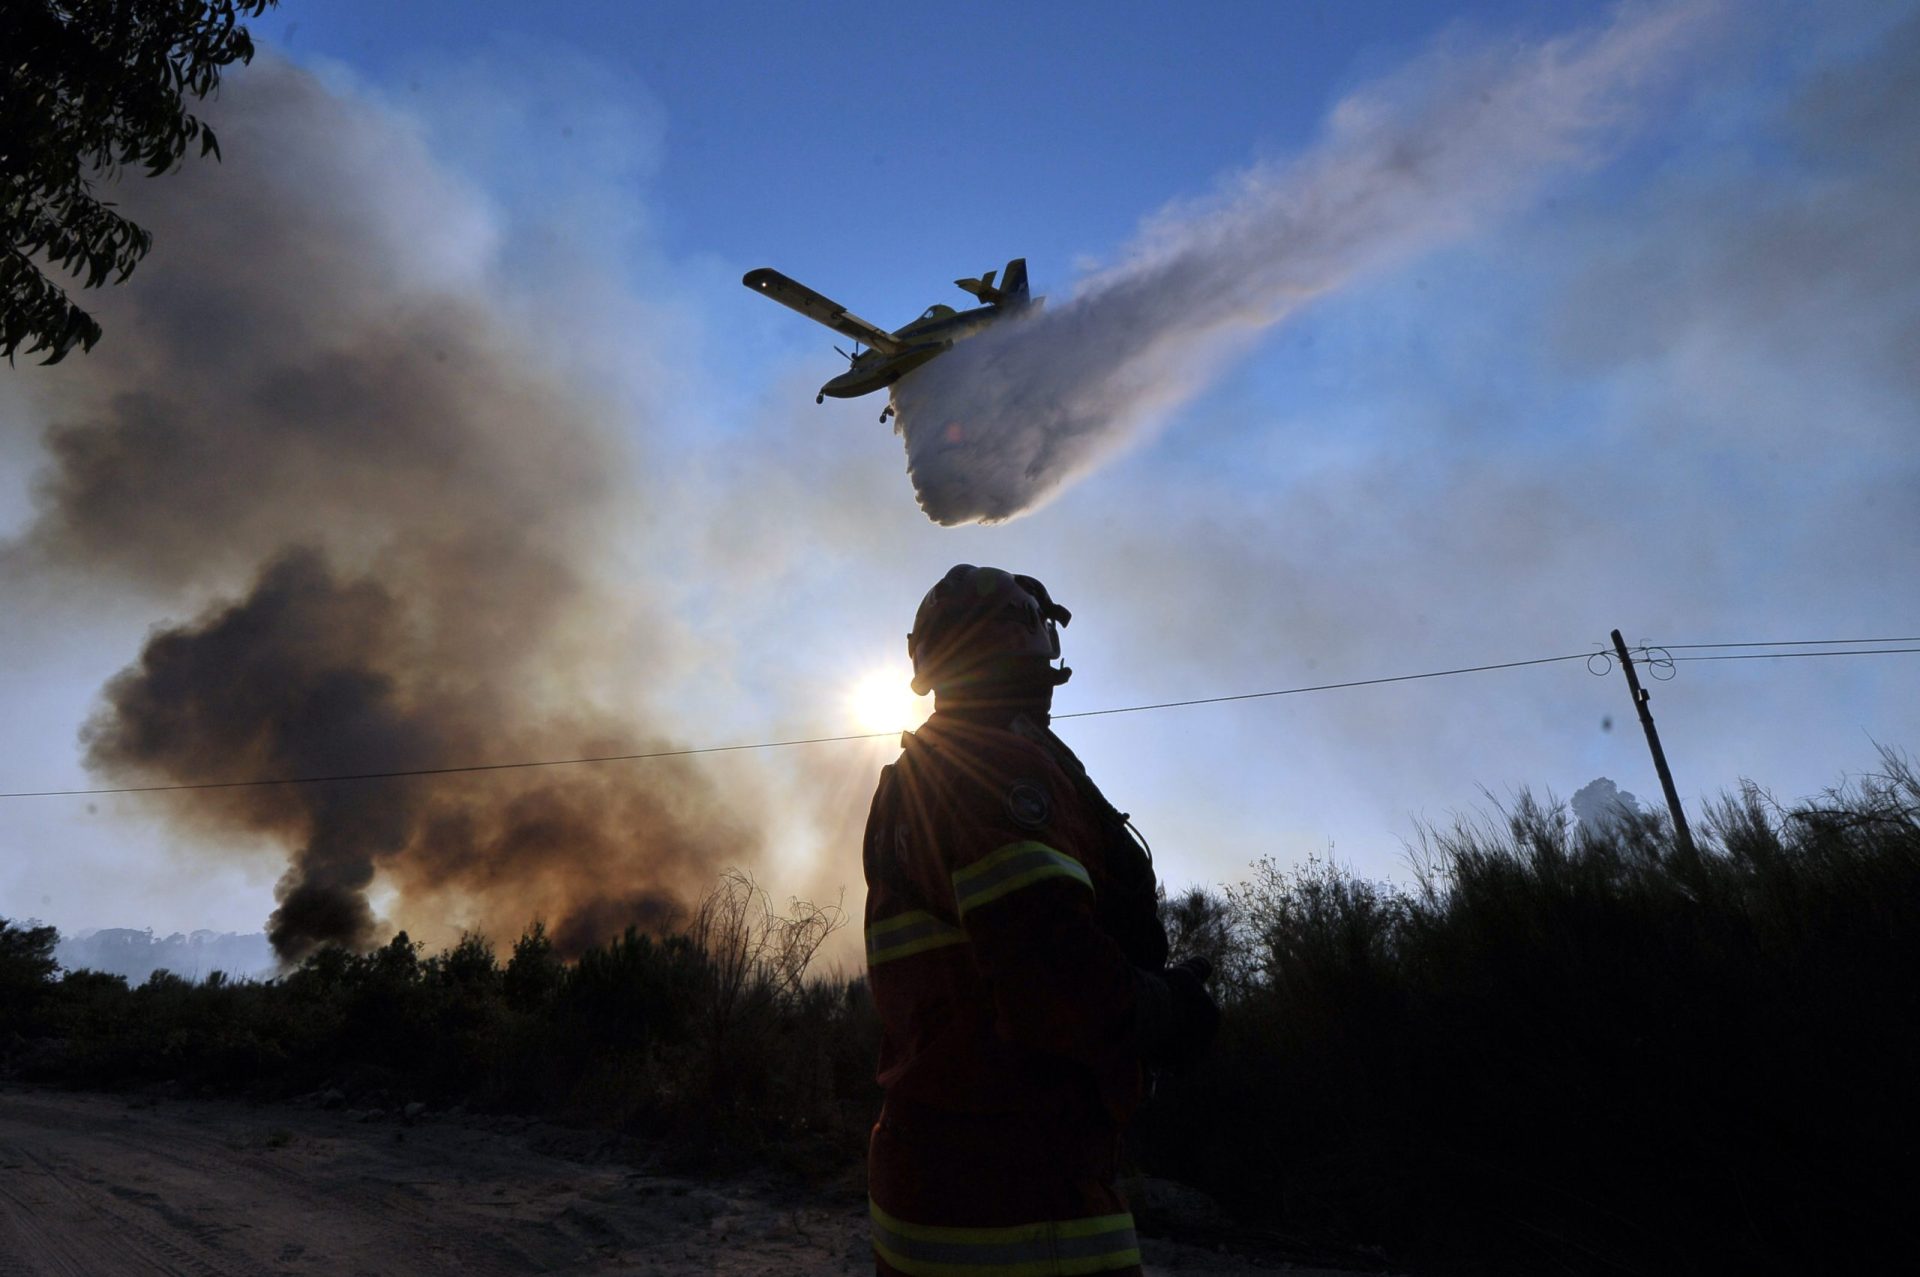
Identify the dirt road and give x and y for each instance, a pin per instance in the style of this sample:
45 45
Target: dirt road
94 1185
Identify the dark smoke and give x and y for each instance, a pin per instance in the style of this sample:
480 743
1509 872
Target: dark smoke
312 408
297 680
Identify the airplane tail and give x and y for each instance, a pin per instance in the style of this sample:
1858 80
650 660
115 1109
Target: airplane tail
1011 291
1013 285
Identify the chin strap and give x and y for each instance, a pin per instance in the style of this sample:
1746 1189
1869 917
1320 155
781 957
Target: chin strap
1052 613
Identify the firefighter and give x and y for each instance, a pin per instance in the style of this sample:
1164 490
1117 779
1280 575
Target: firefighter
1017 962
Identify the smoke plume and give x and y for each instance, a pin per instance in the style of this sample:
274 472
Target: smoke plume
1600 805
313 417
998 425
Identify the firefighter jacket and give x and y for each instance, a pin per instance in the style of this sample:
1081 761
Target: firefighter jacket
999 897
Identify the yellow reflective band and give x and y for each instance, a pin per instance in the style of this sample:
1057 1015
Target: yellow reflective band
1050 1248
1012 867
909 933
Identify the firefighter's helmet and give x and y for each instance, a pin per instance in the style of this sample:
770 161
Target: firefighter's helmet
975 619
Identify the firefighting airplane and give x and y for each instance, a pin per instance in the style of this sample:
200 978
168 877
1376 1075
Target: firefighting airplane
892 355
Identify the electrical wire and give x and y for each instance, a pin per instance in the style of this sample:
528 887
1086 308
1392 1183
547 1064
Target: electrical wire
1323 687
401 773
445 771
1679 647
1781 656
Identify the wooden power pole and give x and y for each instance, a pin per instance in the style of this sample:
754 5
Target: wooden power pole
1682 834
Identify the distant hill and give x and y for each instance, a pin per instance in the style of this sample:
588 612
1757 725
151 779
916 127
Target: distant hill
138 954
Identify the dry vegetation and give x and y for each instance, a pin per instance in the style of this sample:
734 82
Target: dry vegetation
1575 1053
711 1035
1560 1051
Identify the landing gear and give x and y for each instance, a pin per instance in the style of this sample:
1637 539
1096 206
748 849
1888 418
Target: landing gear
819 398
886 412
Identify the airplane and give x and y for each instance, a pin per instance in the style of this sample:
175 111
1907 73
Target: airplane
892 355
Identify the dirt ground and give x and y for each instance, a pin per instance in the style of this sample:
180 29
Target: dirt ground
97 1185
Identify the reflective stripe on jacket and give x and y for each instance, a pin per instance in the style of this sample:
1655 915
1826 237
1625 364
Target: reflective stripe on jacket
997 989
1096 1244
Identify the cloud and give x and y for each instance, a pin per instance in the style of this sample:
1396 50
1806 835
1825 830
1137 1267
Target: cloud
1683 406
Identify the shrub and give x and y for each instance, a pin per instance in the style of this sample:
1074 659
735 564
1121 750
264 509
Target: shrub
716 1032
1569 1051
27 967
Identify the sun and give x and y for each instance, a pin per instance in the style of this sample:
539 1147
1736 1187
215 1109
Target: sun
881 701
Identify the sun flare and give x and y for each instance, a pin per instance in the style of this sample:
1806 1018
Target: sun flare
882 702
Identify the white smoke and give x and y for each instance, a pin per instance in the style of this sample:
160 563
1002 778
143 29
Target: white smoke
1000 424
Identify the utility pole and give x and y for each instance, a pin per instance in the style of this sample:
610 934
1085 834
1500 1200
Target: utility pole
1681 834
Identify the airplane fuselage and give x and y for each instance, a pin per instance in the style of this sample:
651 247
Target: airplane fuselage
930 335
892 355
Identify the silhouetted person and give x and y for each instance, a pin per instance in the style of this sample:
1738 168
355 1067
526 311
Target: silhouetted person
1016 959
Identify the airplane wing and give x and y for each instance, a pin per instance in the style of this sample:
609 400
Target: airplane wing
820 309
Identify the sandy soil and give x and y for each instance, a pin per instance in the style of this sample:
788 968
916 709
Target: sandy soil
95 1185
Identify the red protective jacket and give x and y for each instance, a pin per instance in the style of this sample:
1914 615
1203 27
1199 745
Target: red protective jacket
1008 1049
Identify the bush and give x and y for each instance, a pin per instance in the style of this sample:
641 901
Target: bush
26 967
716 1033
1575 1052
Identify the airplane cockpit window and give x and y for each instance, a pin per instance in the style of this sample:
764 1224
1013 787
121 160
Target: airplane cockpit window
937 312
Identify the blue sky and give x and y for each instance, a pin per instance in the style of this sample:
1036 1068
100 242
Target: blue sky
1660 385
885 134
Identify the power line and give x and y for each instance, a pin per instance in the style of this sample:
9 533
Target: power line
402 773
445 771
1321 687
1680 647
1781 656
